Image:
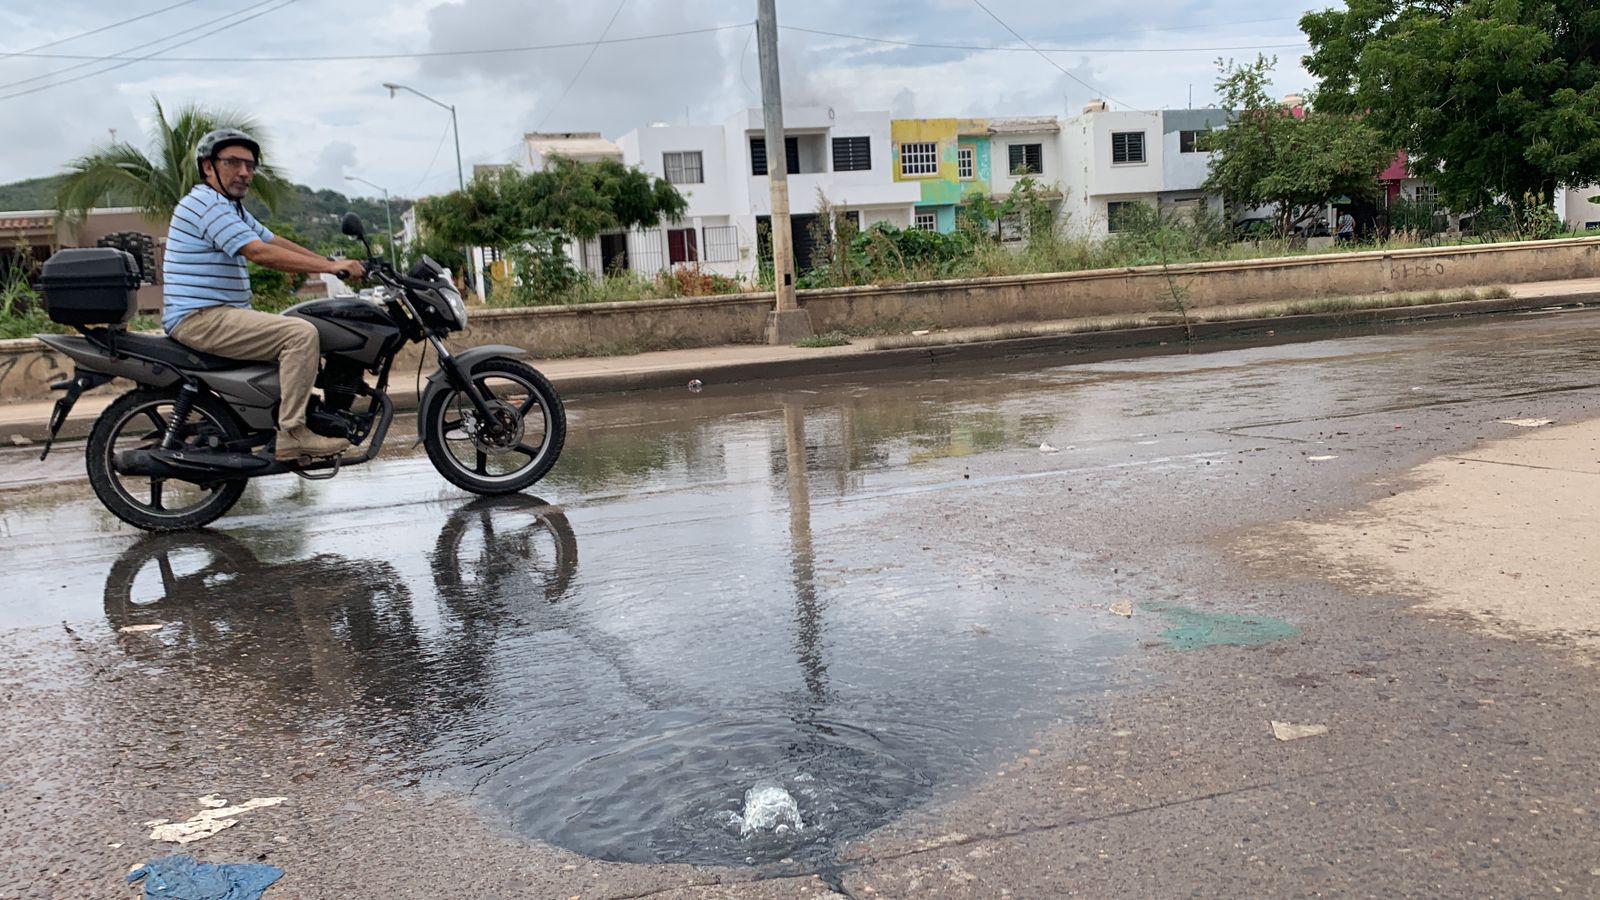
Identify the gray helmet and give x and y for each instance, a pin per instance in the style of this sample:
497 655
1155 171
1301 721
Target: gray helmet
214 142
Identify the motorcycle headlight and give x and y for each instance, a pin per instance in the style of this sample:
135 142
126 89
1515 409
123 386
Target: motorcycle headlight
457 305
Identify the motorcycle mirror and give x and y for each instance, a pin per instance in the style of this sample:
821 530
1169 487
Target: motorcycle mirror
352 226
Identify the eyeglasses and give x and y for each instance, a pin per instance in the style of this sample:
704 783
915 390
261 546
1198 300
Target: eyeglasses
248 165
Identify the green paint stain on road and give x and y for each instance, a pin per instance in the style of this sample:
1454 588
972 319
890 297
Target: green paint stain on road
1194 630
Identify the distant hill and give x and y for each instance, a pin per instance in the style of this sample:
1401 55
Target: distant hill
35 193
310 213
317 214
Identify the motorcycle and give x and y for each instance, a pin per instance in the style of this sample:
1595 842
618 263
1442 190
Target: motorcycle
177 451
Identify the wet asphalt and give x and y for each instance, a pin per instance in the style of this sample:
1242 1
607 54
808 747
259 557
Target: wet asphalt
888 596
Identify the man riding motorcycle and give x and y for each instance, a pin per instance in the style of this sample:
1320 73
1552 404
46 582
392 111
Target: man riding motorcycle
207 286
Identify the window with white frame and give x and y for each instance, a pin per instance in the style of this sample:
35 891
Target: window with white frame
1026 159
966 163
1425 193
1194 141
1127 147
722 243
919 158
685 167
925 221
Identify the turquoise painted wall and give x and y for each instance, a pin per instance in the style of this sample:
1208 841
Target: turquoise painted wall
944 216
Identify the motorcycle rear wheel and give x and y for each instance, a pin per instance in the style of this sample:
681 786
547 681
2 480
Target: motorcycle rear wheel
139 420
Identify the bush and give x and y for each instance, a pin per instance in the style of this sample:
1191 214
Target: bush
541 271
1149 235
1411 217
21 308
884 253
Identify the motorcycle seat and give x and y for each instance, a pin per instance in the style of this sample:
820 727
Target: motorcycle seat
161 348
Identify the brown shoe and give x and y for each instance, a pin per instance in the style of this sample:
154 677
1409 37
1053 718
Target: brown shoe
302 443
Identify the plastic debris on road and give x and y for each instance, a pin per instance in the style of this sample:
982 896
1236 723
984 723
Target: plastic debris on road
696 386
1285 731
1195 630
1320 458
184 878
18 440
1122 608
1528 423
1046 448
207 822
139 629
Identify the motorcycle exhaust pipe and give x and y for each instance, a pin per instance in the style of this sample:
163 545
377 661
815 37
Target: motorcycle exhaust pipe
188 465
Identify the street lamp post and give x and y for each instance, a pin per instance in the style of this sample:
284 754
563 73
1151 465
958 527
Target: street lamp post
461 178
388 215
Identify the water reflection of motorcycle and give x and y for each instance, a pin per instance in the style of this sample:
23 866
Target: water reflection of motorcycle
344 631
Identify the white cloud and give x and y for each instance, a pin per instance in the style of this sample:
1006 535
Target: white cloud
337 160
329 119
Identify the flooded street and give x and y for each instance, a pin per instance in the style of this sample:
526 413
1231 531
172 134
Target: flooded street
868 594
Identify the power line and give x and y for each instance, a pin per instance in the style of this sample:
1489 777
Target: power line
474 160
742 54
92 31
1030 49
233 23
118 55
423 54
429 171
579 74
1047 59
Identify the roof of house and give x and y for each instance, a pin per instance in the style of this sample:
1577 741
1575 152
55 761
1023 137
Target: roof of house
572 143
1025 125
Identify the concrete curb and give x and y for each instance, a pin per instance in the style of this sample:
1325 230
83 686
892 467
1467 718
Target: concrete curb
1107 344
1066 344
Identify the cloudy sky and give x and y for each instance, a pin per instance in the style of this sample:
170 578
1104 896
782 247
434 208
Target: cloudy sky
331 118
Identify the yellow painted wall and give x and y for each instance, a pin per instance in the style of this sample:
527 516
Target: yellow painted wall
945 187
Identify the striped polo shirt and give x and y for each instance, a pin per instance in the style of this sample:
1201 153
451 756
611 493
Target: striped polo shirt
203 266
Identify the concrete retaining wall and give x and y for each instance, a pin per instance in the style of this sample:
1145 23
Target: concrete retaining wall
27 368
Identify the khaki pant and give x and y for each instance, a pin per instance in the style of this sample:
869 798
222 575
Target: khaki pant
260 337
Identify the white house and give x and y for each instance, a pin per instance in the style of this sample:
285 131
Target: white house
1576 209
583 146
1119 157
841 156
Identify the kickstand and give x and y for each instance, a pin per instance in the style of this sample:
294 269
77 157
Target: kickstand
321 476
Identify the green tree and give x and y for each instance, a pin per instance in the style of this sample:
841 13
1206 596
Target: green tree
1494 99
531 215
155 183
1296 164
576 199
274 290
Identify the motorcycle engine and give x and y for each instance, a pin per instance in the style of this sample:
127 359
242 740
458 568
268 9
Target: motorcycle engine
330 416
340 381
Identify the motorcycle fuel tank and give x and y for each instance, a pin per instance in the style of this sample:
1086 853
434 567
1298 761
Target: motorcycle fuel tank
349 327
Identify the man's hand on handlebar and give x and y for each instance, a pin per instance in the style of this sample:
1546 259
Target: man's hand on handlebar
349 269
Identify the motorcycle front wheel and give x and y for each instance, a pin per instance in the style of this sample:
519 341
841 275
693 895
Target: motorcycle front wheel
516 450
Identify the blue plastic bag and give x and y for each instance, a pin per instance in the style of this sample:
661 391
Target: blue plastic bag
182 878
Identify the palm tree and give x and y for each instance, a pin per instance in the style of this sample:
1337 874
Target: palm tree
156 183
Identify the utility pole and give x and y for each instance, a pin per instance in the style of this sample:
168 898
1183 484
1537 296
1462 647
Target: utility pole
788 322
471 275
387 214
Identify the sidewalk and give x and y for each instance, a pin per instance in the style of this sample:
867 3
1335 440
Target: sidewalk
749 362
1502 534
